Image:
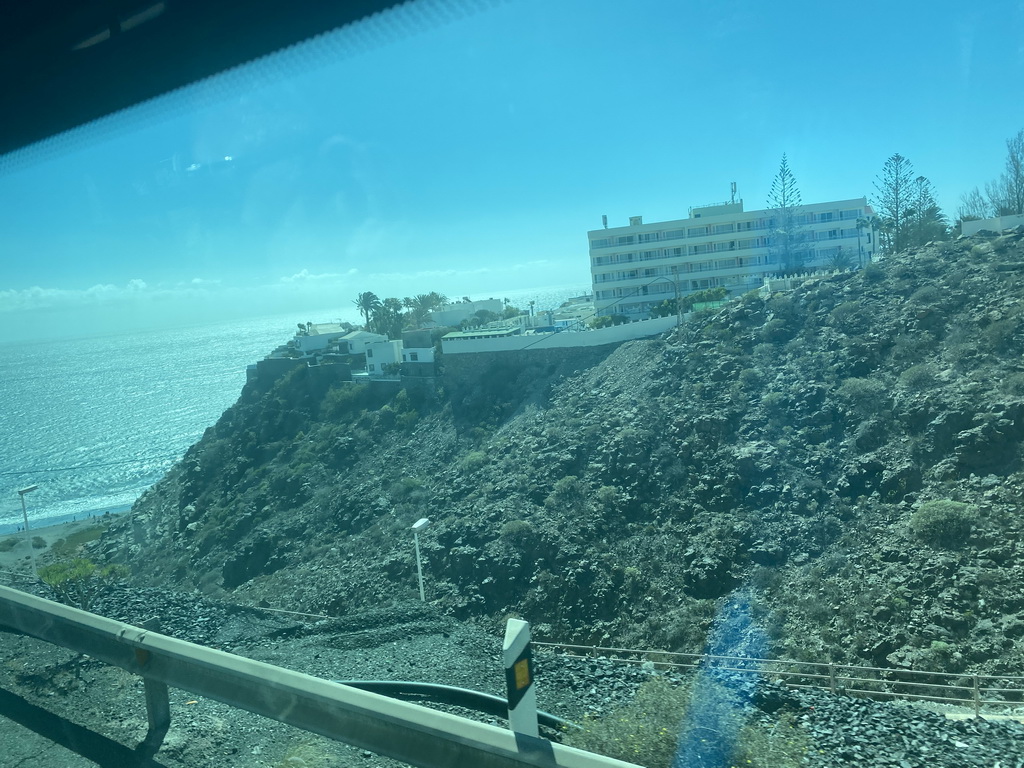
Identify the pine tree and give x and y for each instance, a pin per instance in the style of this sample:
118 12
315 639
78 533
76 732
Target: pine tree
925 220
895 191
788 236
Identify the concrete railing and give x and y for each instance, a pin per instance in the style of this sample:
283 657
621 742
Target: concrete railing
406 732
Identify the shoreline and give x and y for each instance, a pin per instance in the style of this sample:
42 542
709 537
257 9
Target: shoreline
54 521
20 558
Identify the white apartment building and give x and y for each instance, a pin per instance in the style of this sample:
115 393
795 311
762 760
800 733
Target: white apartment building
636 267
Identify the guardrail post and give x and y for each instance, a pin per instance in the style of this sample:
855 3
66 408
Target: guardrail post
977 697
517 655
158 703
831 678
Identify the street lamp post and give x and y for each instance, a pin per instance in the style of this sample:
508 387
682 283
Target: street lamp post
418 526
24 510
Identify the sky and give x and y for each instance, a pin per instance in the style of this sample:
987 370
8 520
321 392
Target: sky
470 153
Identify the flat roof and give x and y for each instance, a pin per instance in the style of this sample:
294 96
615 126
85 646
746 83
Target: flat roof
483 332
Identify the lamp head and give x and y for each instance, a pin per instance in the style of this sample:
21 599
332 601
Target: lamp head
420 524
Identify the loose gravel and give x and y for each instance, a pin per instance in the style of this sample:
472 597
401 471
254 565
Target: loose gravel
412 641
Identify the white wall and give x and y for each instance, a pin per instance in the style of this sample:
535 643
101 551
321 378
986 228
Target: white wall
594 338
316 343
995 225
453 314
381 353
423 354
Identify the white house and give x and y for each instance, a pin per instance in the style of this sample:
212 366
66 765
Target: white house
383 359
453 314
317 337
636 267
355 342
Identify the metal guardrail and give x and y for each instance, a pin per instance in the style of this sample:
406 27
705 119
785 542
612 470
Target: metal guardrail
400 730
974 691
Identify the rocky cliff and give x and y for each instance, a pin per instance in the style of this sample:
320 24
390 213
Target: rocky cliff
850 451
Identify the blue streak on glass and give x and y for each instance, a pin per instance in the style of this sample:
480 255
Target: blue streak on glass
724 688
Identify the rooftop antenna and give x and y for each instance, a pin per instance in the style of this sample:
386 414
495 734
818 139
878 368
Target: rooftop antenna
732 193
604 220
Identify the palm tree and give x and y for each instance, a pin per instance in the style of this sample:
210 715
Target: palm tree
387 318
367 303
421 305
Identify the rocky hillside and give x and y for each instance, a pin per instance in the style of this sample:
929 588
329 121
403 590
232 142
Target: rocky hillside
849 450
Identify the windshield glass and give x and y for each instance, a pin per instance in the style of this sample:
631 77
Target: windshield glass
654 326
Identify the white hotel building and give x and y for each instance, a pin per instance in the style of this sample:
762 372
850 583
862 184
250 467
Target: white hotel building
635 267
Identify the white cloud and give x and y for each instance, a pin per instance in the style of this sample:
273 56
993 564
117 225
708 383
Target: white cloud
306 276
101 294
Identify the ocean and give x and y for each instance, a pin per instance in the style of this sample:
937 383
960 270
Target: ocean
94 422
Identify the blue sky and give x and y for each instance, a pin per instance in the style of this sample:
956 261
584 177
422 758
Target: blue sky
471 156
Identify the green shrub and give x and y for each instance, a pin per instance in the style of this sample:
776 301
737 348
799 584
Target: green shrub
873 273
74 581
917 378
999 335
1012 385
750 378
568 493
473 461
69 545
928 294
516 533
643 732
38 542
608 498
8 544
776 331
943 523
646 732
862 396
849 316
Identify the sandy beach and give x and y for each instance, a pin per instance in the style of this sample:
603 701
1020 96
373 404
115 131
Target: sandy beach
17 552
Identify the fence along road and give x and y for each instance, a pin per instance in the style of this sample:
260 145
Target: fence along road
400 730
974 691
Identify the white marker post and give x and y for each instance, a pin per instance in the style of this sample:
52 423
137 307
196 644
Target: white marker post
517 656
418 526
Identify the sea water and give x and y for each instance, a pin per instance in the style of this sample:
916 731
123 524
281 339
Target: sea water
94 422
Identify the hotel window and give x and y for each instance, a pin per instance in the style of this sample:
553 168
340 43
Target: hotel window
825 216
669 252
624 240
369 353
370 367
414 356
696 231
724 229
672 234
648 237
603 243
